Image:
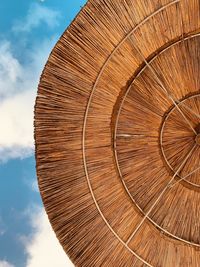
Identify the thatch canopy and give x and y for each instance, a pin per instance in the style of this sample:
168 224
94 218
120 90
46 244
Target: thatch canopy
117 133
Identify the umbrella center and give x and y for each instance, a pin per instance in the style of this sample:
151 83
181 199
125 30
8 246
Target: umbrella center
179 135
197 139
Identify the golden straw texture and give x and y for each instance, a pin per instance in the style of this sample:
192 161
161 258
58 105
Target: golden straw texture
117 134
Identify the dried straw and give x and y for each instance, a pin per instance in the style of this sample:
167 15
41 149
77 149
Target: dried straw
117 124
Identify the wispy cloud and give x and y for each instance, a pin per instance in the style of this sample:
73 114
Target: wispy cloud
31 183
43 248
5 264
37 15
2 227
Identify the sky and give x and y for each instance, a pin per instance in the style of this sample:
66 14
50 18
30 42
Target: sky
29 29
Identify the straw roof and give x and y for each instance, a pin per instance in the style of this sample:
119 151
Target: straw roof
117 133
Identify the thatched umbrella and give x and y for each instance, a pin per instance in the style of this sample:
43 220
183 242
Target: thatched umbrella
117 132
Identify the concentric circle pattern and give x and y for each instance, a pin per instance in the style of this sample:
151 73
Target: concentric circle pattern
117 133
178 137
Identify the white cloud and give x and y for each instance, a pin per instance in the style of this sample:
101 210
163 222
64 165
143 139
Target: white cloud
10 71
5 264
43 248
37 14
18 86
16 113
19 81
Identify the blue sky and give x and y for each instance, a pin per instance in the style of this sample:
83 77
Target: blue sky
28 32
